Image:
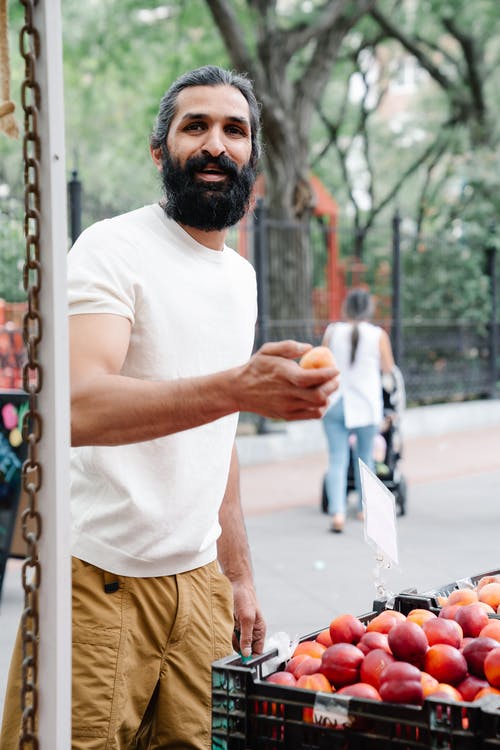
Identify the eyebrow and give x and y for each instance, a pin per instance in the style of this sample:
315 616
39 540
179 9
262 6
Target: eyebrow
204 116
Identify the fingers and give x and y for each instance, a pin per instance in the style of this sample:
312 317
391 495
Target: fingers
289 349
251 637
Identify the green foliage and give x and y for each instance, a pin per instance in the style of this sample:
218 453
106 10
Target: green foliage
11 257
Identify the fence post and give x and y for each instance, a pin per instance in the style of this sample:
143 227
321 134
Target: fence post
75 206
491 253
396 289
261 271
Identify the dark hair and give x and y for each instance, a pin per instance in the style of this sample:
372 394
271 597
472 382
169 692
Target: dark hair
208 75
358 305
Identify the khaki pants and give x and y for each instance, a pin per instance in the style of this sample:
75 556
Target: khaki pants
142 659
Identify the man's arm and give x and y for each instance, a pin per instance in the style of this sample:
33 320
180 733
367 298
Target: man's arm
108 408
234 559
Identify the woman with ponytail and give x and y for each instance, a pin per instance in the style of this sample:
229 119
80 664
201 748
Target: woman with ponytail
362 352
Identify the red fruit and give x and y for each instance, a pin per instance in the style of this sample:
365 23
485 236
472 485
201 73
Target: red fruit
476 652
374 639
282 678
470 687
311 648
324 638
400 682
446 692
341 663
346 629
448 611
492 667
442 630
315 681
445 663
310 665
373 665
472 618
408 642
360 690
294 662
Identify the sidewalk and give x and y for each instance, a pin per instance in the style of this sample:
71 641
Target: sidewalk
304 576
439 443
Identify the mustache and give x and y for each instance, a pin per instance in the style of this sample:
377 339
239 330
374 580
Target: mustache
222 162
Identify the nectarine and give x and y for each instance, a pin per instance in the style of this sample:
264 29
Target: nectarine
384 621
476 652
445 663
282 678
462 596
470 686
373 639
491 630
311 648
490 593
373 665
346 628
400 682
492 667
442 630
317 357
341 663
360 690
408 642
472 618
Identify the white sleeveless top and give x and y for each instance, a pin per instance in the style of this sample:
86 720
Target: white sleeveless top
360 383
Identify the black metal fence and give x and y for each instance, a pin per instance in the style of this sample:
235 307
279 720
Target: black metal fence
441 360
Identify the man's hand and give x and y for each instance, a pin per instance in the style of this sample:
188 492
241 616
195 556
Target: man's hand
274 385
249 625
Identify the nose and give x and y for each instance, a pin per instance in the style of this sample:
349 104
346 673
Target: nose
214 144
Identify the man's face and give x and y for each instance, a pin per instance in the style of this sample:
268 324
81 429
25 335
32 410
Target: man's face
205 166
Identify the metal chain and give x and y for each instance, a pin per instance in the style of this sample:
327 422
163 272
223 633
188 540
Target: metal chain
29 43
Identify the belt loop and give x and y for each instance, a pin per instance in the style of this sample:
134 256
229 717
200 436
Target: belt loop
111 582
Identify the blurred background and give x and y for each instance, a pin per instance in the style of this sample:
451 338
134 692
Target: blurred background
380 166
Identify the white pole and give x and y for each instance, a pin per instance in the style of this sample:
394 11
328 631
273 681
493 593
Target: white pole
54 667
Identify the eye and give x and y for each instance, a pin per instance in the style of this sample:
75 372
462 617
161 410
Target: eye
195 126
236 130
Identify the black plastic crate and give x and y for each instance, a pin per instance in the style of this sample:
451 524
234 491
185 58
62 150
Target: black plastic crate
410 599
249 713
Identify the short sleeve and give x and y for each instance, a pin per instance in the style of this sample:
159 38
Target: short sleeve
102 274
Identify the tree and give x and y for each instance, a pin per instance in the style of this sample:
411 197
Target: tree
291 58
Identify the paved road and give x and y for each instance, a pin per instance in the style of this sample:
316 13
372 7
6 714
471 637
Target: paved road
306 575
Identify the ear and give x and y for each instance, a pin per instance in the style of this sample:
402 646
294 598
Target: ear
156 157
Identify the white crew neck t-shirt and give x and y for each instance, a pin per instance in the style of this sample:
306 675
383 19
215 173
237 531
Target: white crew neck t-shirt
151 508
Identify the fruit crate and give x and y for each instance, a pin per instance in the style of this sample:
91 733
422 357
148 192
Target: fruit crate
249 713
411 598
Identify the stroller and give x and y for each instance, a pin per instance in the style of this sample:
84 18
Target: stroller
388 446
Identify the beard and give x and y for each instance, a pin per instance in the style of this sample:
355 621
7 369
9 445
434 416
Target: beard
206 206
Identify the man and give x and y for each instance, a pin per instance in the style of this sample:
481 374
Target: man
161 333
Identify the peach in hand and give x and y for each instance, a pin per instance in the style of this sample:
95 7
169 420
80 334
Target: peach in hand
317 357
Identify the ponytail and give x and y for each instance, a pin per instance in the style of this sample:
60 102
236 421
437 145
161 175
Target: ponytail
354 341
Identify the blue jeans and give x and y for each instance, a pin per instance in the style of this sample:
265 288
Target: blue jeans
337 435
